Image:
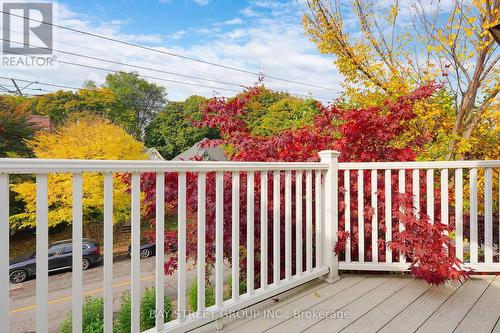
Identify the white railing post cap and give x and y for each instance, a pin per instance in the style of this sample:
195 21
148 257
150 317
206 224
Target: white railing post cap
325 155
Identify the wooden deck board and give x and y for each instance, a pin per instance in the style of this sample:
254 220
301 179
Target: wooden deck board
385 303
388 309
412 317
485 313
447 317
261 323
231 324
361 306
333 303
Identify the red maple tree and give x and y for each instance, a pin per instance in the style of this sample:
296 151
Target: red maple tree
361 135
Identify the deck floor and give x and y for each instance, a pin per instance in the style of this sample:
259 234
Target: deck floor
389 303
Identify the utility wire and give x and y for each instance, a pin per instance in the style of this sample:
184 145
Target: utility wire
151 69
144 76
32 89
113 54
145 68
165 52
128 65
58 85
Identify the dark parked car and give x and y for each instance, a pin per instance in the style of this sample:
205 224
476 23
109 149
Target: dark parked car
146 250
60 258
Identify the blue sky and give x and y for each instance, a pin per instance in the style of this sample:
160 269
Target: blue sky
163 17
257 35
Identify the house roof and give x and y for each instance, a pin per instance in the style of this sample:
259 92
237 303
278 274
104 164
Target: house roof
215 153
154 154
41 123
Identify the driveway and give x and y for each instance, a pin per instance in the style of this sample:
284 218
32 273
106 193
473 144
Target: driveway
22 296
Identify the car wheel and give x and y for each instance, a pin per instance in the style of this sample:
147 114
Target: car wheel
18 276
85 264
145 253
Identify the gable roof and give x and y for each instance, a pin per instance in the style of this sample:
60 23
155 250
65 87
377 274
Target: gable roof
215 153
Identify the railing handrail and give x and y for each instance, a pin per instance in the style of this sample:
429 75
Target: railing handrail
418 165
40 166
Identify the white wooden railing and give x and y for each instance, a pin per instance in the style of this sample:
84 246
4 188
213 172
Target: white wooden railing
311 198
482 252
316 242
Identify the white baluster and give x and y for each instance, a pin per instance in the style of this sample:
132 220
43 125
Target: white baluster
135 289
388 214
235 235
298 221
361 219
263 229
276 226
318 217
488 217
160 251
77 228
375 216
309 220
108 252
401 189
219 239
430 194
347 215
42 255
181 247
473 216
4 252
288 224
459 223
416 192
250 232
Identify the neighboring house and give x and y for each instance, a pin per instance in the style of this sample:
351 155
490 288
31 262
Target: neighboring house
42 123
207 153
154 155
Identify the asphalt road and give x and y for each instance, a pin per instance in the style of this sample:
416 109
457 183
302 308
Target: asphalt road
22 296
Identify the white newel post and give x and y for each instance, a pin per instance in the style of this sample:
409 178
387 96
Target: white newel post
330 157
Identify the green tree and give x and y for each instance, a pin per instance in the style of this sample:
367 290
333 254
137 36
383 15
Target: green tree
57 105
284 114
172 131
15 128
138 101
62 106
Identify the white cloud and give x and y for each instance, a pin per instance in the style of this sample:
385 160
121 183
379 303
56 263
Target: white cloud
201 2
274 43
234 21
178 34
248 12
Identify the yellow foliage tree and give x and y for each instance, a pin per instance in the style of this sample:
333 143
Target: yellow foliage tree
385 49
90 138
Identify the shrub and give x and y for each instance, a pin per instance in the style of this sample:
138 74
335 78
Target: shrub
210 293
193 295
92 317
123 319
148 307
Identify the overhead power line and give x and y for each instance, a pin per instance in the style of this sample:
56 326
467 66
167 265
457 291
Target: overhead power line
143 76
151 69
62 86
167 52
126 64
